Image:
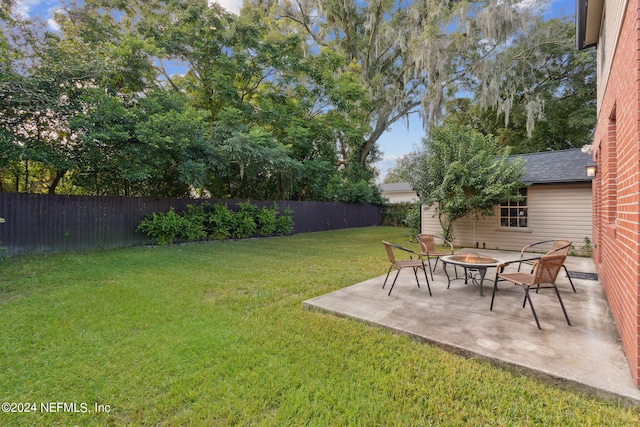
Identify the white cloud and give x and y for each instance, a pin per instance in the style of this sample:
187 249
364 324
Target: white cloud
24 7
43 8
232 6
53 25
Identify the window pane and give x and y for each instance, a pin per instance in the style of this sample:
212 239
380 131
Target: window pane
514 214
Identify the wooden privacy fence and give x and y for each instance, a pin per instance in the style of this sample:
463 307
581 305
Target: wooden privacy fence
37 223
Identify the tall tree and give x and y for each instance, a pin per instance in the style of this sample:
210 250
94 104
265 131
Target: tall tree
460 171
411 56
50 77
543 80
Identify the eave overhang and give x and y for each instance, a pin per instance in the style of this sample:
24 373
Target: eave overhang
588 22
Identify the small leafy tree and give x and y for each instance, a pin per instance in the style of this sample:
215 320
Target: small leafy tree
460 171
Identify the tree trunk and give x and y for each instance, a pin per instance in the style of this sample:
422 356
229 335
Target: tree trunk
56 181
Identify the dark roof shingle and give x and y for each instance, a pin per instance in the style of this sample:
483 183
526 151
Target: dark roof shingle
556 166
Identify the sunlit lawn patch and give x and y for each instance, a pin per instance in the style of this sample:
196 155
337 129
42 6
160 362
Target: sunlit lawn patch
215 334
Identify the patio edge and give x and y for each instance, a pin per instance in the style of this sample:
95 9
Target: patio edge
542 376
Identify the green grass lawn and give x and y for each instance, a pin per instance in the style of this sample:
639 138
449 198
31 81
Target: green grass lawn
215 334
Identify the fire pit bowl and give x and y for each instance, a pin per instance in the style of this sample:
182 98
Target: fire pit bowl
472 262
473 258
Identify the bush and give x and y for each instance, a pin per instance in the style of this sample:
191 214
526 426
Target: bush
192 227
163 227
216 222
244 221
267 220
284 222
412 221
395 214
219 222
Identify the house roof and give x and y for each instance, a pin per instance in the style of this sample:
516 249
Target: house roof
395 187
556 166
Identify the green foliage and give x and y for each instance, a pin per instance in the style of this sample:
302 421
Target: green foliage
216 222
284 102
219 222
267 220
460 171
401 171
565 86
253 116
586 250
193 223
352 191
284 222
413 221
163 227
245 221
394 214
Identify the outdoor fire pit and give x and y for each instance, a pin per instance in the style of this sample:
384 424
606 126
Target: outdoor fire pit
473 258
472 263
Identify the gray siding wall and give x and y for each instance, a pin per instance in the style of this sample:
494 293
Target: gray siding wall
556 211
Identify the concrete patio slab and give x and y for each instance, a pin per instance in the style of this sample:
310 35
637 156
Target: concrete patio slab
586 357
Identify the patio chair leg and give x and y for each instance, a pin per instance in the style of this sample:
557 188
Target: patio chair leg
415 273
493 295
528 297
561 304
434 267
569 277
385 279
425 276
394 282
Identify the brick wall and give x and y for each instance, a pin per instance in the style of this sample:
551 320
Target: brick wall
616 203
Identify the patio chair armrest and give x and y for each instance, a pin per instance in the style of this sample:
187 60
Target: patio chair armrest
402 248
532 245
442 239
446 241
500 267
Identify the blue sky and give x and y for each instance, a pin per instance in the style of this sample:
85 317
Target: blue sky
398 141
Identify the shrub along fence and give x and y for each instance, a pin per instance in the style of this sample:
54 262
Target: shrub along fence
37 223
395 214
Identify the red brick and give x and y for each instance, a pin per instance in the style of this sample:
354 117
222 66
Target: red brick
616 190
